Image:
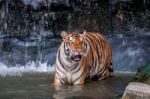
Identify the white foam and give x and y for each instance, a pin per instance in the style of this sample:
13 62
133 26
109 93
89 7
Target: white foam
29 67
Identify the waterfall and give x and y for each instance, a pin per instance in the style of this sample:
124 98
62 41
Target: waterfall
30 31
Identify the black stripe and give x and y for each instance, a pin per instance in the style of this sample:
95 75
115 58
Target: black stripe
92 56
85 46
67 51
75 35
76 70
98 50
101 51
74 67
103 70
60 78
61 61
91 39
104 76
77 79
90 47
100 40
60 70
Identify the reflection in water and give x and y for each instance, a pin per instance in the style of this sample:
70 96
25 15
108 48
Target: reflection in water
39 86
64 91
111 88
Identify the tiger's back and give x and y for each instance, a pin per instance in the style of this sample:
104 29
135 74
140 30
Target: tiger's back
99 56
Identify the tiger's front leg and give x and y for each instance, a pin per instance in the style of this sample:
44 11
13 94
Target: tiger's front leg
69 78
57 81
80 82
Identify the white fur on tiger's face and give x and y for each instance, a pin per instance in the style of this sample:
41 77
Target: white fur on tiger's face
74 46
82 56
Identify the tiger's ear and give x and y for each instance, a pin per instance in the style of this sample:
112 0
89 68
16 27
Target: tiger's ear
63 34
84 32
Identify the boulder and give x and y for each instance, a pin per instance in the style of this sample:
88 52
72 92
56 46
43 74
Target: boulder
137 90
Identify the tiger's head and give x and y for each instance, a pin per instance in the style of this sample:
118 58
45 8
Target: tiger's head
74 45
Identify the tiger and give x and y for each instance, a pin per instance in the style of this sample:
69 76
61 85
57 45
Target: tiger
82 56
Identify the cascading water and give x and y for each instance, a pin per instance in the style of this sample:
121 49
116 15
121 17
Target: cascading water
32 37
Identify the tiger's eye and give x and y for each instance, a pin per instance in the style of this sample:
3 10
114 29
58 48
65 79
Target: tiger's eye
82 42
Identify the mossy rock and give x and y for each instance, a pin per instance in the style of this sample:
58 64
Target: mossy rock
143 74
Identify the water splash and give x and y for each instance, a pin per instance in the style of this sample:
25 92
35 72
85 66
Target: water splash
30 67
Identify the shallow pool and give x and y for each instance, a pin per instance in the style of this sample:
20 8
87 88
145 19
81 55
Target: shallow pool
39 86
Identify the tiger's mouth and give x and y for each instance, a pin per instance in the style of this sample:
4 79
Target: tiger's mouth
76 58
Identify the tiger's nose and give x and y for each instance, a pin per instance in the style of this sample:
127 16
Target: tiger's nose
79 50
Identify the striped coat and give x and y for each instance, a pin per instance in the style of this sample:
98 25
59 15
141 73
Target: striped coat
82 56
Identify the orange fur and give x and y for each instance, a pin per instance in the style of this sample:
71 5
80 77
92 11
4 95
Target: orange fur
95 62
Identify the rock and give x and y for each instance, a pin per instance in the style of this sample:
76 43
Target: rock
137 91
143 74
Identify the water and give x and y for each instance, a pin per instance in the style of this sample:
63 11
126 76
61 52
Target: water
39 86
30 36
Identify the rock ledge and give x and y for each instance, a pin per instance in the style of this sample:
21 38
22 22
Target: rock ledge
137 91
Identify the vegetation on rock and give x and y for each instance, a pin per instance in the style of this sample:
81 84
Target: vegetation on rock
143 74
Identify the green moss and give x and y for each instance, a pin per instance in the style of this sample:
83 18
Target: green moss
147 69
143 74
